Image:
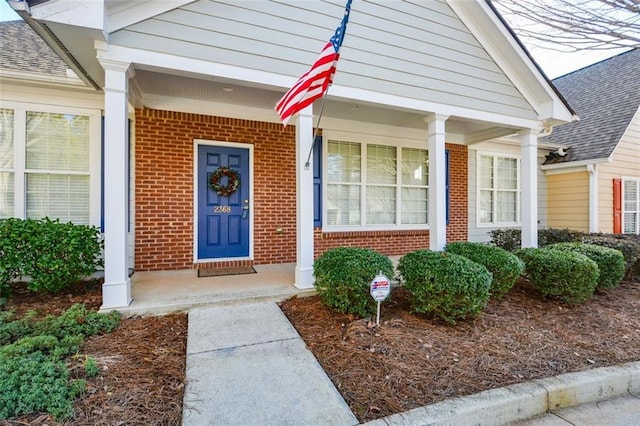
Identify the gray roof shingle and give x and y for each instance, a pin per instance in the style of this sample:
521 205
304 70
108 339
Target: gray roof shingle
24 50
605 96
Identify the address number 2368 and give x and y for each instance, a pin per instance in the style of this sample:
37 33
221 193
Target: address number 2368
222 209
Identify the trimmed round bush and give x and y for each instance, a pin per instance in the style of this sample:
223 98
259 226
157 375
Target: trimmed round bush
559 274
343 276
628 244
505 267
445 285
610 261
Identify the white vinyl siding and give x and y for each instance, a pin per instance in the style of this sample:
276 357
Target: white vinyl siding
365 190
631 206
416 50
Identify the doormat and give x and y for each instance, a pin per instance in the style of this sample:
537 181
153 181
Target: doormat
234 270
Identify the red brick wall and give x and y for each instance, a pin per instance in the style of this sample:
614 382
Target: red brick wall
164 186
164 192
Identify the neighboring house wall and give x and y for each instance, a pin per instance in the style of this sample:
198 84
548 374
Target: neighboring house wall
568 200
480 232
625 164
425 43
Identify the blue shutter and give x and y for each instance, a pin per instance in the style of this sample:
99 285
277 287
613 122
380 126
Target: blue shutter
446 180
317 182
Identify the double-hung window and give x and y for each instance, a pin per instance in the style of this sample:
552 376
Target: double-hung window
631 206
46 165
376 186
498 190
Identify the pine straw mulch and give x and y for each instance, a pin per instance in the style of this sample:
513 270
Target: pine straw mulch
411 360
142 363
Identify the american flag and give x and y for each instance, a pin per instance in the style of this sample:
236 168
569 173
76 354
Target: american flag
315 82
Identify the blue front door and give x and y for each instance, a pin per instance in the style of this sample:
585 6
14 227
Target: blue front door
223 220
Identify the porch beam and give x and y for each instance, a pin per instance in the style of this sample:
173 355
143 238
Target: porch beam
116 290
304 201
437 181
529 186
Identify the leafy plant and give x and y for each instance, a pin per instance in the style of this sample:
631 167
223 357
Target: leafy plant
629 245
564 275
53 254
505 267
33 374
610 261
343 276
446 285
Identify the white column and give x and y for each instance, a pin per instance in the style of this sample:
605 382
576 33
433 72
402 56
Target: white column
437 182
593 197
304 201
529 186
116 290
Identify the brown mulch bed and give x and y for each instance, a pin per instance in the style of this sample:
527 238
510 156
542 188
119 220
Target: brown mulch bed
142 364
411 360
408 361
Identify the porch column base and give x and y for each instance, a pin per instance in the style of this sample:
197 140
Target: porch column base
304 279
116 295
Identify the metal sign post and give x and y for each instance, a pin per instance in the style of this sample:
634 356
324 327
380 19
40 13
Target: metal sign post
380 290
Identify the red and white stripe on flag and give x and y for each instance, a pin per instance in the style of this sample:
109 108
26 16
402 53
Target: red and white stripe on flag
311 86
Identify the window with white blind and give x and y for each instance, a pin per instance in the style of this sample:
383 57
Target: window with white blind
498 190
6 163
631 206
45 164
375 186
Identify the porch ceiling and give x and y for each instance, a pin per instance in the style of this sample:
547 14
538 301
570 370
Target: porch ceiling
158 84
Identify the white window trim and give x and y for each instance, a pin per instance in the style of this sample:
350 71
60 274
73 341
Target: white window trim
494 224
19 150
364 141
637 210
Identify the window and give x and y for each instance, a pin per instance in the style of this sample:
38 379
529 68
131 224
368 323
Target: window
498 190
631 206
6 163
376 186
45 164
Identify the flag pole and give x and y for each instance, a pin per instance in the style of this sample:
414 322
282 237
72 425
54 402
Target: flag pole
315 132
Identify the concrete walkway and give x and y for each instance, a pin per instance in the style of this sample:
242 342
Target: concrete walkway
247 365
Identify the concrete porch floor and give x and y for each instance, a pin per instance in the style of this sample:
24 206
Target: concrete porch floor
156 293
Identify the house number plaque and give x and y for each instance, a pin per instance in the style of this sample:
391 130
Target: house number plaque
222 209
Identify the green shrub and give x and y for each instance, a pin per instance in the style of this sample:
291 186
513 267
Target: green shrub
629 245
343 276
510 239
549 236
564 275
53 254
36 383
610 261
33 374
446 285
505 267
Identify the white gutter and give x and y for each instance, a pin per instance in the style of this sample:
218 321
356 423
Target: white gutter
571 164
22 9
